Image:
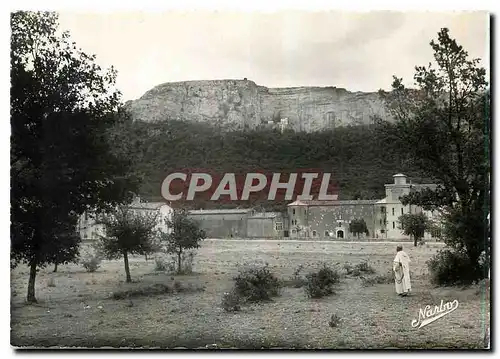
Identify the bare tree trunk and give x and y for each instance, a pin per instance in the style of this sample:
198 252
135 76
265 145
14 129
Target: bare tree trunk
179 261
415 241
146 256
55 267
31 284
127 269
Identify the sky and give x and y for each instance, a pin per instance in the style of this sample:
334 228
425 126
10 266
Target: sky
359 51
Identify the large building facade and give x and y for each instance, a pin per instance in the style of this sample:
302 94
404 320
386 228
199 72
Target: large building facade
331 219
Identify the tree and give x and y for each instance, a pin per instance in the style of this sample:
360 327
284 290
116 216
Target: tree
415 225
67 245
184 234
127 233
442 127
358 226
62 164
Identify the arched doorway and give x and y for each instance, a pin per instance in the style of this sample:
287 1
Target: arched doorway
340 234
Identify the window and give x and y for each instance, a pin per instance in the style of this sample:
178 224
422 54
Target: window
327 234
382 209
393 225
294 231
279 226
339 224
380 222
293 211
315 233
402 212
382 231
393 211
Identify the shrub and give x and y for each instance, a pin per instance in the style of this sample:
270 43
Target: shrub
91 262
187 259
163 265
231 301
297 280
348 268
320 283
257 284
450 267
365 268
334 321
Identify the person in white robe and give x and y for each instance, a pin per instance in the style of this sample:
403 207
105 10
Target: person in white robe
401 268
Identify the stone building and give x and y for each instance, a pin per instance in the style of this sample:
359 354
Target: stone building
223 223
331 219
268 225
390 208
90 228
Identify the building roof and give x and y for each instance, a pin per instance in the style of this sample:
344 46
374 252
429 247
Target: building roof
333 203
147 205
265 215
221 211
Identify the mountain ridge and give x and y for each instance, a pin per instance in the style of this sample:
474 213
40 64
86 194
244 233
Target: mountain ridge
240 104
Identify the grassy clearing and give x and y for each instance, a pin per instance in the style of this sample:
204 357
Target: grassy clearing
77 308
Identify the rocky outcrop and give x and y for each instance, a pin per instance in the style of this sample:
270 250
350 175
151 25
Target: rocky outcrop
238 104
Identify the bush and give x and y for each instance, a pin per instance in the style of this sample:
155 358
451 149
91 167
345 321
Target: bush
163 265
348 268
450 267
365 268
231 301
187 259
297 280
257 284
334 321
91 262
320 283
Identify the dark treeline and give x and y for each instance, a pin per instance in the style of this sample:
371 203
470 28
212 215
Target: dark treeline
361 159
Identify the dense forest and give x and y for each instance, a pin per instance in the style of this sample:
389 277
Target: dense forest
361 159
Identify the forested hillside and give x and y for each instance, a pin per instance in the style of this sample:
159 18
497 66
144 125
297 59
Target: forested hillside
359 157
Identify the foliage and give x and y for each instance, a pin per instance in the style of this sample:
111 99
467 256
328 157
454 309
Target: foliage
364 267
335 321
358 226
91 262
450 267
442 127
321 283
127 233
163 265
184 234
415 225
297 280
256 284
231 301
62 108
357 156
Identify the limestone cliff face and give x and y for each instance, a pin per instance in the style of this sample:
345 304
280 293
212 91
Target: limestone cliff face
237 104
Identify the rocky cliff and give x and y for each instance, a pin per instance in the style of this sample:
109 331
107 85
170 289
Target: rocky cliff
243 104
